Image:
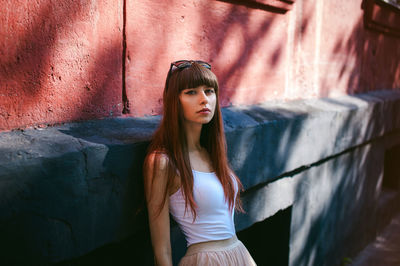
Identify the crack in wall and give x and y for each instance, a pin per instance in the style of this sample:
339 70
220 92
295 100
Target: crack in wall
125 100
315 164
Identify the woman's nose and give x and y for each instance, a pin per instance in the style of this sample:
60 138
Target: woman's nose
203 98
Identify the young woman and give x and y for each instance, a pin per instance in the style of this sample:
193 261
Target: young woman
186 173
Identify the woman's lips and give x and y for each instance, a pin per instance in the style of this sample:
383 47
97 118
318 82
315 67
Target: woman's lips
204 111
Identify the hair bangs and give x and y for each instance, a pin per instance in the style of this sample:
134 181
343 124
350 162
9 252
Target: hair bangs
195 76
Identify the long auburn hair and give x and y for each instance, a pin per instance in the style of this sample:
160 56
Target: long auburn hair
170 139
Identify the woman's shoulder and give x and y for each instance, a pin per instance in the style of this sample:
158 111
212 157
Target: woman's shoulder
157 159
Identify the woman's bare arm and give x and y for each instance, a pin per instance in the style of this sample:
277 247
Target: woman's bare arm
155 183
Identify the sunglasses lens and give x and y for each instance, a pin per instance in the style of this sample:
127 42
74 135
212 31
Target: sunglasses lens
181 64
204 64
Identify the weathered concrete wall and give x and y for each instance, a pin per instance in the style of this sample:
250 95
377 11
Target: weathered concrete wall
70 189
338 206
59 61
83 59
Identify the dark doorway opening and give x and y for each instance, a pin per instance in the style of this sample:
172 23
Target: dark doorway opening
268 240
391 173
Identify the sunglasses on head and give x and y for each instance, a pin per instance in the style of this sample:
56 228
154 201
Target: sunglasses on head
182 64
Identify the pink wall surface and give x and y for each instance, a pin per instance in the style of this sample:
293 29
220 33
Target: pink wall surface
245 46
63 60
317 49
59 61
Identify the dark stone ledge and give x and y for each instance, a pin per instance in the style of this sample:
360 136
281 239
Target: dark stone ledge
69 189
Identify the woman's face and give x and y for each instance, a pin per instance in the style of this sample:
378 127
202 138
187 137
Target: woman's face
198 104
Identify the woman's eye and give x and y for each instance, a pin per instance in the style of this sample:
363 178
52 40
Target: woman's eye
191 92
209 91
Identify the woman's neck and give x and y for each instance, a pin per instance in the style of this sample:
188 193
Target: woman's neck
193 131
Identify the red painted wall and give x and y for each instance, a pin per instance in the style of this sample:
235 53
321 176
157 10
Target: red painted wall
62 60
59 61
317 49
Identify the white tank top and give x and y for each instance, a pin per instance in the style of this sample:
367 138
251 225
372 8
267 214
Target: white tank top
214 220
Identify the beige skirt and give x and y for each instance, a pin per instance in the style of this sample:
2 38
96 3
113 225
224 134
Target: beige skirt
229 252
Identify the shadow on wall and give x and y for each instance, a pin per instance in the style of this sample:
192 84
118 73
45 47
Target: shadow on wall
254 25
315 50
356 60
228 35
332 197
57 67
231 75
365 63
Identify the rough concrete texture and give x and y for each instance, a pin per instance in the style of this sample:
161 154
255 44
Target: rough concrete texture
70 189
59 61
314 50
